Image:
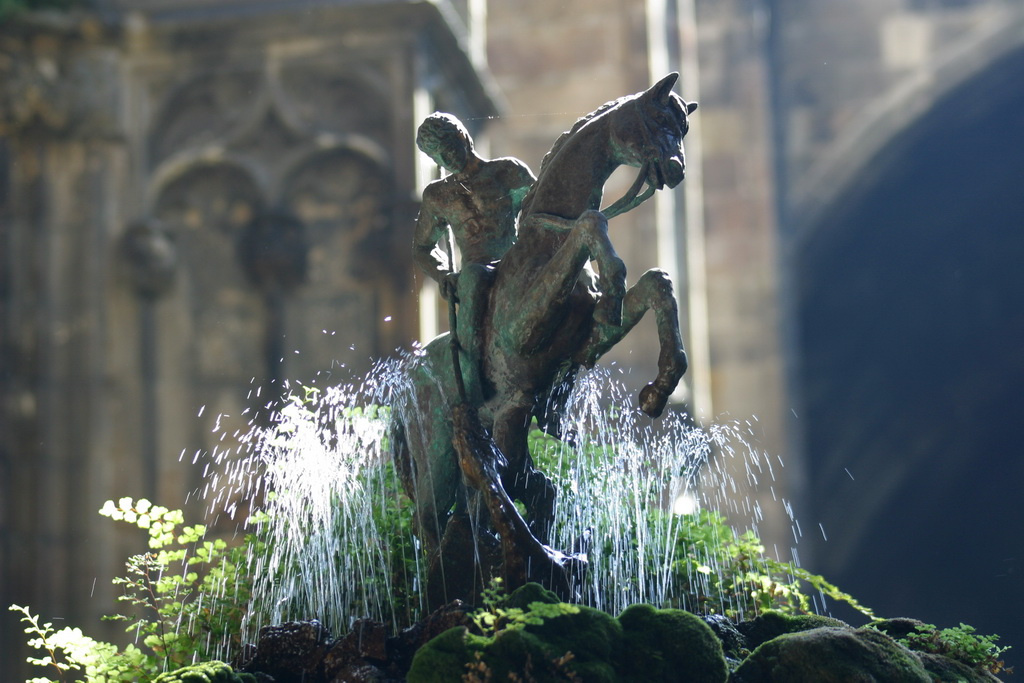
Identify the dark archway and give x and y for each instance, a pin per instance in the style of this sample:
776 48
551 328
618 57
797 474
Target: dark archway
910 301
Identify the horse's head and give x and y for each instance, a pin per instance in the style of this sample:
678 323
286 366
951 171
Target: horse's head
652 136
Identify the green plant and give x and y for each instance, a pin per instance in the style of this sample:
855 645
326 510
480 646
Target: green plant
495 615
68 650
960 643
189 593
205 672
713 568
187 598
721 571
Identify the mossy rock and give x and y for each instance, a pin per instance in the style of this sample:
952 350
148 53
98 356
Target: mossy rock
555 641
773 624
593 639
511 653
831 654
444 658
529 593
205 672
524 655
946 670
670 645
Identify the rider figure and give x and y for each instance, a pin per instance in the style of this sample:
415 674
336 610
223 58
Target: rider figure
479 201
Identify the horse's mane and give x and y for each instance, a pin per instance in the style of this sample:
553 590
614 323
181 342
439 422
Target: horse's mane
562 139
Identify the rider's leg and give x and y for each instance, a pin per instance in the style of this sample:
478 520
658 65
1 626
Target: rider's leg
474 284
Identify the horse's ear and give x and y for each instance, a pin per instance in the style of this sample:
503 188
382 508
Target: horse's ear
662 89
691 107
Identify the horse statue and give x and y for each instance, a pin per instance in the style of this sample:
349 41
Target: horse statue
549 316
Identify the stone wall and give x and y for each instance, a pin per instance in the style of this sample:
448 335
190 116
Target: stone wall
191 123
196 207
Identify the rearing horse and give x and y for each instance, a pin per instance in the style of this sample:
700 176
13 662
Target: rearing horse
549 316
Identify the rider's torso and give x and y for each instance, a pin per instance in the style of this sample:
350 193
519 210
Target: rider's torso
479 210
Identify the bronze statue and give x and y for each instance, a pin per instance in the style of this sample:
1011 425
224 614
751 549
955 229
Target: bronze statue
547 315
479 202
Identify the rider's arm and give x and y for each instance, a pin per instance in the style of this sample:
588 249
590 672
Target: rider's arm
431 227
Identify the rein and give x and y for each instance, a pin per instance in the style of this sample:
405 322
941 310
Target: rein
632 198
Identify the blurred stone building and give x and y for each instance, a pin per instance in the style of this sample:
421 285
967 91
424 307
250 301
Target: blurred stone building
200 199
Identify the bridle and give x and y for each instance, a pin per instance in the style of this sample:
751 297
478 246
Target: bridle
633 198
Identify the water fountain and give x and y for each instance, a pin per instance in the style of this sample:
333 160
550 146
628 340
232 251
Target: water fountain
340 549
342 546
384 509
589 519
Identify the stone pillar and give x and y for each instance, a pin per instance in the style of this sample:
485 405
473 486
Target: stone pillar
133 156
63 159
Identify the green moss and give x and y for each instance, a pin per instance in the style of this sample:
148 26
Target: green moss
521 655
773 624
831 655
529 593
555 641
546 640
205 672
444 658
946 670
670 645
593 637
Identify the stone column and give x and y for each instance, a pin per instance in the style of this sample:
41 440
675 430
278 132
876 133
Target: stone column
62 160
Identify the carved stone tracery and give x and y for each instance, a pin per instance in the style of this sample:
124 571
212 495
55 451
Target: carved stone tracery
231 153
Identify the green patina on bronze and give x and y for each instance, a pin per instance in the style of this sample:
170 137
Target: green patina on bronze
531 313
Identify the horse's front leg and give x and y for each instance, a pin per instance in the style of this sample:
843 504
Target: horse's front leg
653 291
592 229
587 240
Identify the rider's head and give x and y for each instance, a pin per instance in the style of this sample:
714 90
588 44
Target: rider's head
444 139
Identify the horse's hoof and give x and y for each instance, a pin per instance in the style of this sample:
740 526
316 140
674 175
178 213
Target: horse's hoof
653 400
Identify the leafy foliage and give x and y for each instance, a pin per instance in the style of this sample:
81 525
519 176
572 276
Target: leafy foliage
959 643
190 593
187 597
713 568
718 570
495 616
206 672
69 650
